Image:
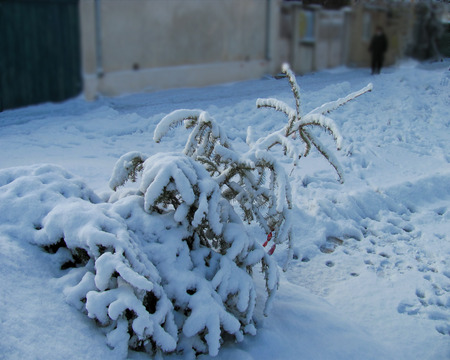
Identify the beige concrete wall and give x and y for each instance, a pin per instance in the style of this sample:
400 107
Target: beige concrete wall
88 48
397 22
325 48
87 30
155 44
343 37
301 52
330 39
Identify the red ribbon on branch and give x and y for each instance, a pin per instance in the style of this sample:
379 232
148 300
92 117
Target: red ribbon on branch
272 249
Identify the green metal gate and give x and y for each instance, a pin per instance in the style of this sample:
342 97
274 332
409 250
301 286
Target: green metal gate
40 57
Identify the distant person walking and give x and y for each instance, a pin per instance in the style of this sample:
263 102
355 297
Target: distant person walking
378 46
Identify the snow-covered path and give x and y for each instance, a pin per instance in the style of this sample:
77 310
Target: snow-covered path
371 274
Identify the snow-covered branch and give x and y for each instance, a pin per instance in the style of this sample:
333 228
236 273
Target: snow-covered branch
278 105
333 105
297 122
173 120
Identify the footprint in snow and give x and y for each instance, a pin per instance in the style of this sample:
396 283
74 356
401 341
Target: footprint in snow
432 299
331 244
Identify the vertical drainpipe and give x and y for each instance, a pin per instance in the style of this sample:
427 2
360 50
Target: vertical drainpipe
268 30
98 39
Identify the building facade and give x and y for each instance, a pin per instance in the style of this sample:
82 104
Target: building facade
56 49
147 45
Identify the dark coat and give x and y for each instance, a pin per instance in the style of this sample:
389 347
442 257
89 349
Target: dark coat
378 44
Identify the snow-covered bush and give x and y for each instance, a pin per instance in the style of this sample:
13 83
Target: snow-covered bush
255 180
205 256
144 266
106 274
167 265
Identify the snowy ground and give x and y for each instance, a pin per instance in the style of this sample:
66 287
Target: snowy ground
371 274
